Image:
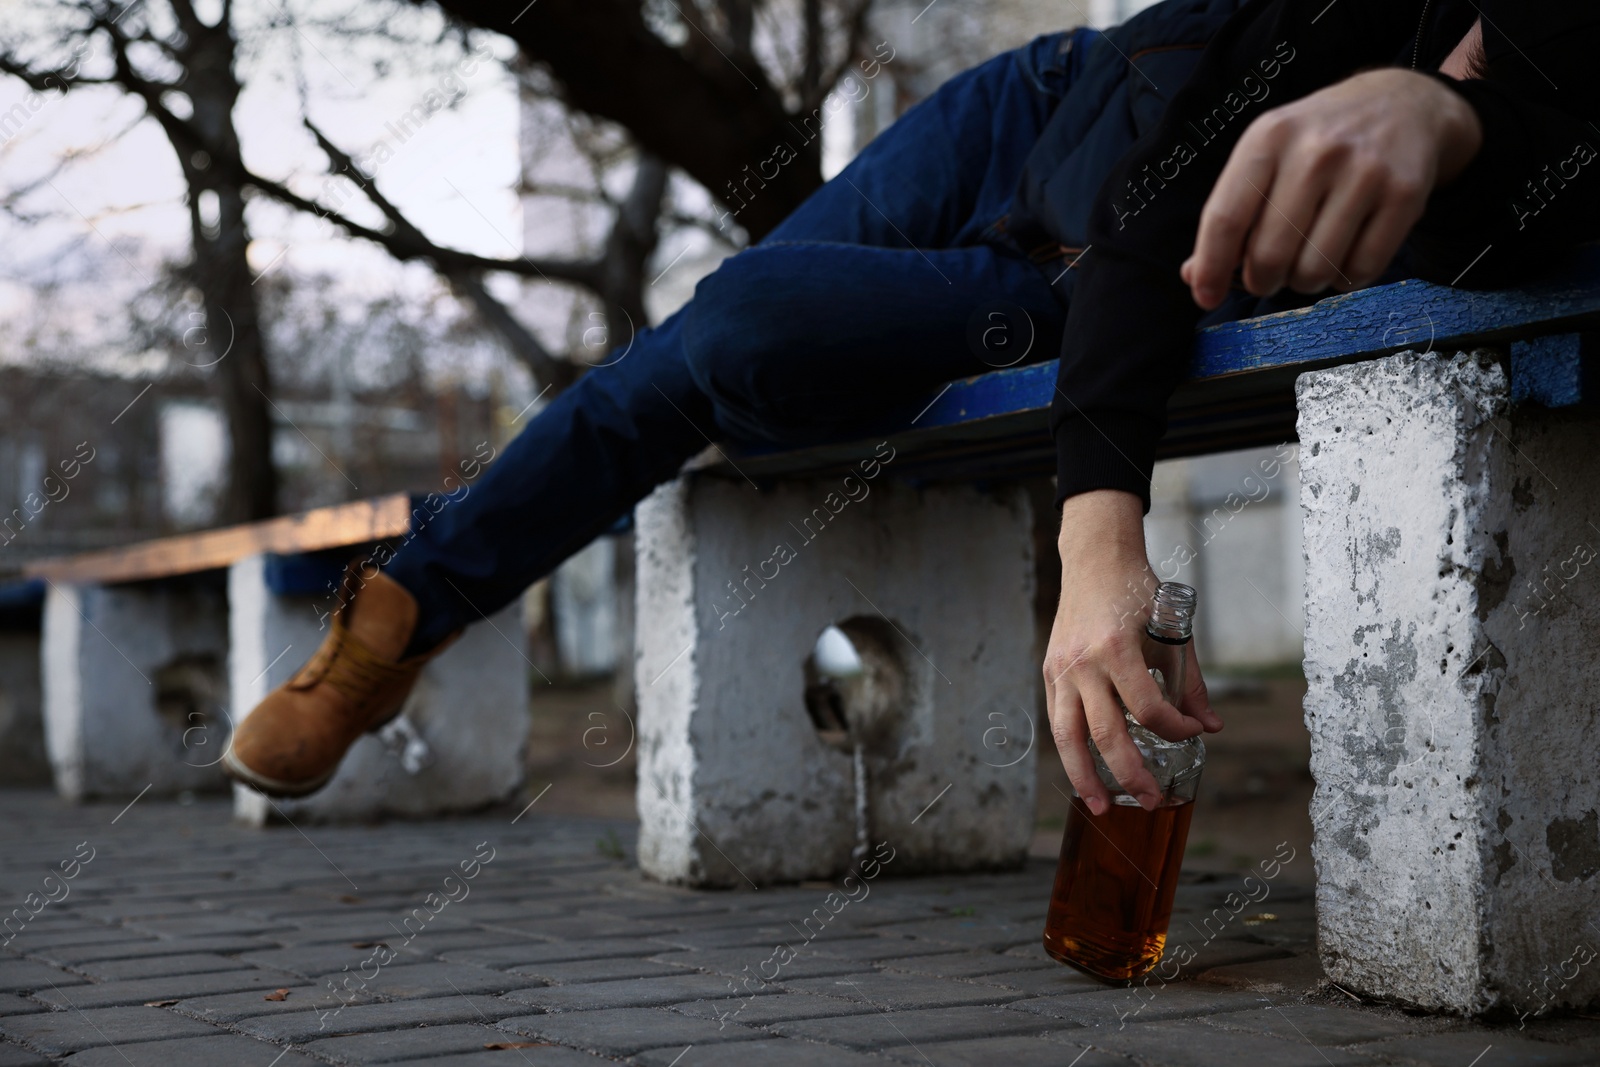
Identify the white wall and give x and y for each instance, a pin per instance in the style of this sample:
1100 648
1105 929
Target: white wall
1229 525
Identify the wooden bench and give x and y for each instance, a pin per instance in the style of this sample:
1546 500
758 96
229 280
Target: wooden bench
1457 849
148 650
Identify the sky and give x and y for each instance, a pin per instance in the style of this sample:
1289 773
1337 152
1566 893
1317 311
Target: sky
454 177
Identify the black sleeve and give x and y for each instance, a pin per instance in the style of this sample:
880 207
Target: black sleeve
1131 325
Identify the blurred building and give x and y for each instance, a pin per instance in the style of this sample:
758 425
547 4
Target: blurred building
92 460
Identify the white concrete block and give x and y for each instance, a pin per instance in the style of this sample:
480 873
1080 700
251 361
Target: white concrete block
1457 849
470 707
735 785
129 671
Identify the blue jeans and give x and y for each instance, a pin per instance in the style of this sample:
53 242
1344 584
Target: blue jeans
847 317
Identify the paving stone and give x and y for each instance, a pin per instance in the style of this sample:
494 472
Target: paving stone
168 987
1496 1048
787 1053
1192 1043
75 955
192 925
1019 1051
22 976
1139 1004
59 1032
892 992
628 993
558 926
899 1028
591 971
536 952
231 1049
312 962
872 948
1054 980
780 1007
961 964
764 935
756 964
993 934
405 980
1317 1024
17 1056
17 1004
34 940
231 1007
1581 1033
412 1043
159 966
624 1031
550 1056
371 1018
1221 952
1298 975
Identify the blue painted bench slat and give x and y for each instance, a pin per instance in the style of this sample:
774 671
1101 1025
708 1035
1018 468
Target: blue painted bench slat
1240 389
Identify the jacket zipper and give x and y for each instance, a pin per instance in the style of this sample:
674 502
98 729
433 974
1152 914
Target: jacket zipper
1416 49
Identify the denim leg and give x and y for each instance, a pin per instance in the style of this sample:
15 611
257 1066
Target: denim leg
946 169
578 467
936 178
802 342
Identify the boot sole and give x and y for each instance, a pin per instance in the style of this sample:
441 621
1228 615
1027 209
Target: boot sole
272 787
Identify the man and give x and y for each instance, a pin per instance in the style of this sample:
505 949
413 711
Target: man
1108 186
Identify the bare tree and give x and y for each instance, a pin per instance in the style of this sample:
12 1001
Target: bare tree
187 65
705 104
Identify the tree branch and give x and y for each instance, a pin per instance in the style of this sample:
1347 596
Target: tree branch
710 117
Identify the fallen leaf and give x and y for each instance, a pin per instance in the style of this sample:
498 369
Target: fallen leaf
498 1045
277 994
369 944
349 898
159 1003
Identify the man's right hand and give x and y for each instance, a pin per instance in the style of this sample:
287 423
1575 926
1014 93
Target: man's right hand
1095 657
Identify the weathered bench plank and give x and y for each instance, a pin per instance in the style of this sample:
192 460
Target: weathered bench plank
358 523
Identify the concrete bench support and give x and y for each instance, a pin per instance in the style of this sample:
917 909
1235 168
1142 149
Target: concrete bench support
470 708
1451 652
736 785
133 682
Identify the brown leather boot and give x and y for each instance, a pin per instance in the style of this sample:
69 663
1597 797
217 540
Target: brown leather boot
292 742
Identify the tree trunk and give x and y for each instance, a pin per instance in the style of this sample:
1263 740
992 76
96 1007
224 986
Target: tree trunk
234 344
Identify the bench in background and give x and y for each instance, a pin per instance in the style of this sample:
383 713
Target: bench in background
1448 460
149 649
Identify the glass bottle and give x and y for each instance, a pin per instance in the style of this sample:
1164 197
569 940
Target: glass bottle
1118 871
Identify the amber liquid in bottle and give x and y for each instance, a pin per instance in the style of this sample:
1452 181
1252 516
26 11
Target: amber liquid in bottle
1114 887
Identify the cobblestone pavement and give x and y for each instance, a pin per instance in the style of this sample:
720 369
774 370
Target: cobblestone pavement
182 939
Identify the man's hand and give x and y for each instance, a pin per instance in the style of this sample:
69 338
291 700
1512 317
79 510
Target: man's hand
1320 193
1096 653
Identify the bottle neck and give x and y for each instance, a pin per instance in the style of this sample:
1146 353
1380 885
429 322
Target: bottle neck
1172 615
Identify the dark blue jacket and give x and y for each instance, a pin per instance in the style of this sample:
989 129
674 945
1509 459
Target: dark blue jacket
1123 81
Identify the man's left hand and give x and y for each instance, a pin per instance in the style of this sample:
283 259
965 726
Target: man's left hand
1320 193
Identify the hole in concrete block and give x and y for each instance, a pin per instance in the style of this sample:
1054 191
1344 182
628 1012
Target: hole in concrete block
191 697
857 687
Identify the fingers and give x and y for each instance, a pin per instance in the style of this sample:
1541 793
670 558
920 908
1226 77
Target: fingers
1071 736
1143 698
1280 233
1324 259
1381 238
1109 731
1231 212
1196 702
